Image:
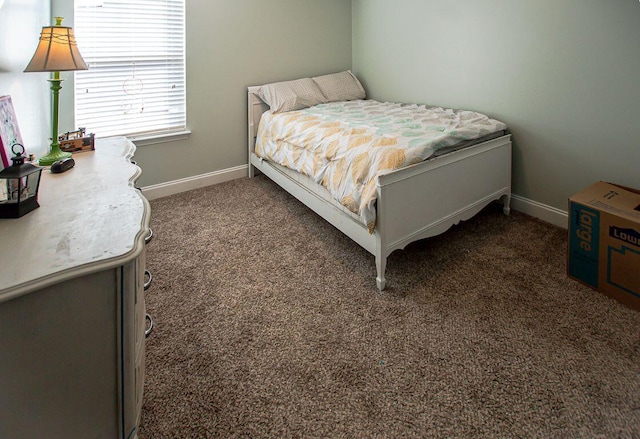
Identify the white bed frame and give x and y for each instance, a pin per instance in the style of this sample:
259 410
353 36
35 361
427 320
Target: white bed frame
413 203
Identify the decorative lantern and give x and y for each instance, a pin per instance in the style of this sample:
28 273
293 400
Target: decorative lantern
19 186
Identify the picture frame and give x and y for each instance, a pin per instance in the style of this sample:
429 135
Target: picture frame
9 131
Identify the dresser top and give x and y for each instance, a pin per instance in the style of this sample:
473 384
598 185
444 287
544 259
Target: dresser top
90 218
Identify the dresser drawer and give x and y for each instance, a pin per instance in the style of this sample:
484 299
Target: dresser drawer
139 381
140 310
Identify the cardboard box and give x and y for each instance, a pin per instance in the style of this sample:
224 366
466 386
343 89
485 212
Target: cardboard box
604 241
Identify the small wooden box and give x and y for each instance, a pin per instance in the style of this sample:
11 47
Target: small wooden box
76 141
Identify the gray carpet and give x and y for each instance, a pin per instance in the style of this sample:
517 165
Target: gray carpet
269 325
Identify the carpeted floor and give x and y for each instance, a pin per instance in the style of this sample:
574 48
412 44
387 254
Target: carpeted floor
268 324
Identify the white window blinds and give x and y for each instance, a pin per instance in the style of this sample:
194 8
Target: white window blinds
136 79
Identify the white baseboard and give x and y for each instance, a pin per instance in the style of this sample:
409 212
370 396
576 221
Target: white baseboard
186 184
541 211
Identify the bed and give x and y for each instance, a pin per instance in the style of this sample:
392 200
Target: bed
424 198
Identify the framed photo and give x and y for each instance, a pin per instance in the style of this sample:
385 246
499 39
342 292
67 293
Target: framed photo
9 131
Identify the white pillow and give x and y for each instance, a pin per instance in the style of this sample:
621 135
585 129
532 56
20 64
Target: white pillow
291 95
343 86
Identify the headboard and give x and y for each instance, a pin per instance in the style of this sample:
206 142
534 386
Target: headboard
256 107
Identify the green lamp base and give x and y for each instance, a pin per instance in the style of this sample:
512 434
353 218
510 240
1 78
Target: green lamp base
55 155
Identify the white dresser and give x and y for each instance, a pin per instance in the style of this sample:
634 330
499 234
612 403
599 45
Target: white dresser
72 314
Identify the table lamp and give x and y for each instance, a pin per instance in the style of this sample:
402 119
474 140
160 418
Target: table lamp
56 52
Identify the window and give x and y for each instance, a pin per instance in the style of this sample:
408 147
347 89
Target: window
136 55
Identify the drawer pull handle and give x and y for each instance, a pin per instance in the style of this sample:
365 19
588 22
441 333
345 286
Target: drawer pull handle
149 325
149 236
147 284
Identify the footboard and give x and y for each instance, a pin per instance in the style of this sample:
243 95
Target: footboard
426 199
434 195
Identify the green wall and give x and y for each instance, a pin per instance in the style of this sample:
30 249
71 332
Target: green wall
564 75
232 44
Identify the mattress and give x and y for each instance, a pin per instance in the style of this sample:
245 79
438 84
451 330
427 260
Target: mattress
346 146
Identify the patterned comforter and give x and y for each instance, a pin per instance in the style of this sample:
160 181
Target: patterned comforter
346 146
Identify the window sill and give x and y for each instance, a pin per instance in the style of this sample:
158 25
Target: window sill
151 139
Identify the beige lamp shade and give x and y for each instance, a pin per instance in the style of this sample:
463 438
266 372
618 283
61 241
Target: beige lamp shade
57 51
